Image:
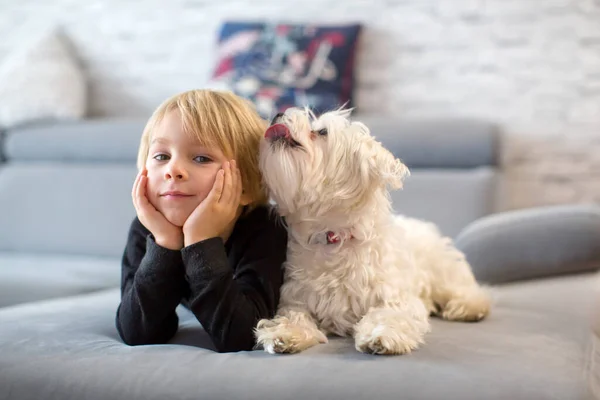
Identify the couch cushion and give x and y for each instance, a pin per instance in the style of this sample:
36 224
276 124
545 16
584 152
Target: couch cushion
593 365
450 198
596 318
436 143
66 208
533 243
533 346
89 141
27 277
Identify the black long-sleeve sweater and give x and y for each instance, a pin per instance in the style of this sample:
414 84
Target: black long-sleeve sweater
228 286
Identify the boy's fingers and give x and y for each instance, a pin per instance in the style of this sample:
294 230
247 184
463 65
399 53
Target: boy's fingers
238 185
234 177
136 193
217 189
135 185
227 186
143 201
139 184
139 197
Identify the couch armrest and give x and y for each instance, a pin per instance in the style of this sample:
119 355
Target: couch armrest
533 243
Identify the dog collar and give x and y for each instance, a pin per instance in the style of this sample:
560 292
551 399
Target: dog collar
333 237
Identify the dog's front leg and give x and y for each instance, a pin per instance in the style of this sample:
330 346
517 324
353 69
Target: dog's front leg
291 331
396 328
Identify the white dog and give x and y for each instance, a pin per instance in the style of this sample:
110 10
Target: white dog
353 268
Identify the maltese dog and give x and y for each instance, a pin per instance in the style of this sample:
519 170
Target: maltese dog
353 267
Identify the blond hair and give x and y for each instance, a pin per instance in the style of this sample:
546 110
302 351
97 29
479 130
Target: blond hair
219 119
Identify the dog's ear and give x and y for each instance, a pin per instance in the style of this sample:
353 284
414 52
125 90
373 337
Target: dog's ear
390 170
383 166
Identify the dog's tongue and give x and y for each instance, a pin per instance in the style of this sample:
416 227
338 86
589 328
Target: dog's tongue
277 131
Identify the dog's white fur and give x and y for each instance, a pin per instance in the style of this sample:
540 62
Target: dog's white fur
387 273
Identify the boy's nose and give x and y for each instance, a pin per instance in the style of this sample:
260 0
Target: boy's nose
175 172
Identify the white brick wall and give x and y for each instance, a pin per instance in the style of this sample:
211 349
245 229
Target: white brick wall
533 66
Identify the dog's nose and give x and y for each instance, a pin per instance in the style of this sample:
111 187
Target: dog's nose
276 118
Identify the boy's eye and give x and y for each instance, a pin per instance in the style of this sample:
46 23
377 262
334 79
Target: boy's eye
201 159
161 157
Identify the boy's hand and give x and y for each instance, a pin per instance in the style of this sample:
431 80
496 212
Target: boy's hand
165 233
215 214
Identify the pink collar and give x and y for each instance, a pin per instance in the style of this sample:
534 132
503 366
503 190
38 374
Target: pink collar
333 238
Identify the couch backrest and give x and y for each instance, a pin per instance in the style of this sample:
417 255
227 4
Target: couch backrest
453 166
66 187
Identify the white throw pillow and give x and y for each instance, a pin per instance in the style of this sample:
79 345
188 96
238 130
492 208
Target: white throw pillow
41 80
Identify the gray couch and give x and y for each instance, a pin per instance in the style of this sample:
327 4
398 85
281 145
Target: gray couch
59 284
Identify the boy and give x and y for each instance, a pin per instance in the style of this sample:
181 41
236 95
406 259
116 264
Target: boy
204 235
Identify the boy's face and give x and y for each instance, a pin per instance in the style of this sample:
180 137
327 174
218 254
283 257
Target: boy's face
181 172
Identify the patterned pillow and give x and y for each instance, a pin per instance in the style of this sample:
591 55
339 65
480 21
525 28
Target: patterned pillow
281 65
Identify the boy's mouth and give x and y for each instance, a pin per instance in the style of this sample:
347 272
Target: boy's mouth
174 194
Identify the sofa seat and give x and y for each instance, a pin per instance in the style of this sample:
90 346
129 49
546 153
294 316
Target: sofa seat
537 344
29 277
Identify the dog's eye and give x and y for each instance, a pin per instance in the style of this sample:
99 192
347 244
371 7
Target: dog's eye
322 132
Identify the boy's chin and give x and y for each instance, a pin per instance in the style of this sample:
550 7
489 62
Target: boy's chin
176 218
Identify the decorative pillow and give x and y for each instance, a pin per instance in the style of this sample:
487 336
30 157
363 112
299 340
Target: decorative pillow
281 65
533 243
41 80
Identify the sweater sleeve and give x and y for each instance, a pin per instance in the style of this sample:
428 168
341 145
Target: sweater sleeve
152 286
227 301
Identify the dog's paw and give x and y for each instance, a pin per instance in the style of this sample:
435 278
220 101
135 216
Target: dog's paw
279 345
388 342
280 336
471 306
392 331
